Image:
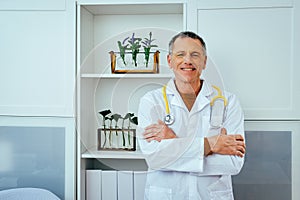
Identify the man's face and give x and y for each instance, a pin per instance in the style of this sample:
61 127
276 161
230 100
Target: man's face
187 59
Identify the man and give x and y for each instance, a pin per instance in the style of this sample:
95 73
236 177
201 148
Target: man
190 158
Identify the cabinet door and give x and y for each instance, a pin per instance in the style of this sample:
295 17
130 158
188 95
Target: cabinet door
253 46
37 73
267 171
272 162
38 153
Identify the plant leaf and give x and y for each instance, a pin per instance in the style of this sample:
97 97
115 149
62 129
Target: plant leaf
134 120
128 115
104 112
116 117
110 118
125 40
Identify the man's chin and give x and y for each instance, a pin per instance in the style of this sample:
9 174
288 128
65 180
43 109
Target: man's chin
186 80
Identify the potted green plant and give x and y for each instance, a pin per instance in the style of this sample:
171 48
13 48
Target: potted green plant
111 141
131 45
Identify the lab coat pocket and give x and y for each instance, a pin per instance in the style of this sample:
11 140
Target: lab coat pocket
155 193
221 189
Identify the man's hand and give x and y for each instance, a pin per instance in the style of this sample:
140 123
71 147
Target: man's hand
227 144
158 132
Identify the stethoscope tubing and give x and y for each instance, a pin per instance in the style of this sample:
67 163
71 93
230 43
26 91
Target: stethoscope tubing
169 119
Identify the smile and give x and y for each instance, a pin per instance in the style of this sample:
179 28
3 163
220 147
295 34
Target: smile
188 69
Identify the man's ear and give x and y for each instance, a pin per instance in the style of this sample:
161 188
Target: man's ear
169 60
205 60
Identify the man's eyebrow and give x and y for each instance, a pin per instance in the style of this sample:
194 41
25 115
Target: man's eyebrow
180 51
192 52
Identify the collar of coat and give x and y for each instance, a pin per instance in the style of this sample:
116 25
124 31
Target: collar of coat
202 100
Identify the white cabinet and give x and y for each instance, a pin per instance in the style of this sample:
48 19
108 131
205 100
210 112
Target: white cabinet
253 44
37 50
100 25
38 152
37 86
272 161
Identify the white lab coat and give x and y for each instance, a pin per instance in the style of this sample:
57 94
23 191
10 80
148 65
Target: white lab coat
178 169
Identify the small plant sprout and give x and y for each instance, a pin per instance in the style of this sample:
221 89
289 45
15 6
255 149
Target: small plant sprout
104 113
116 118
110 118
122 48
127 116
134 46
133 120
147 47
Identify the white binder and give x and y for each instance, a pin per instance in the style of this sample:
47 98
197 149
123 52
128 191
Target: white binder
139 181
93 184
109 185
125 185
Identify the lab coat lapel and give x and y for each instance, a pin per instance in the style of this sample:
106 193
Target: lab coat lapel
173 95
203 98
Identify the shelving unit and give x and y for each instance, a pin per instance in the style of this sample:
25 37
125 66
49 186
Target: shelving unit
99 26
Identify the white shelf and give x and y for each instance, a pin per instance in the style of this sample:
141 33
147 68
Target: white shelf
113 154
134 9
130 76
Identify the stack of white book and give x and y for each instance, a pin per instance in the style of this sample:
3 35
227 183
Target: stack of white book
115 185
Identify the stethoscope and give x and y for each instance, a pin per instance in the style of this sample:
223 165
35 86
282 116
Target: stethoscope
169 119
215 120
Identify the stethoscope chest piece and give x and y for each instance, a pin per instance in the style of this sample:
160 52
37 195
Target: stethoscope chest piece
169 119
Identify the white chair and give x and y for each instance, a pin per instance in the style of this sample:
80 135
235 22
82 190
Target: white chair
27 194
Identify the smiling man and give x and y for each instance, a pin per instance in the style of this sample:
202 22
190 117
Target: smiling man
190 152
187 58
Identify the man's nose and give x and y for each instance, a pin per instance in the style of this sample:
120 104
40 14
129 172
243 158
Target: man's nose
187 59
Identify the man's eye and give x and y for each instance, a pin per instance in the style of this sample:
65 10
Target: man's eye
195 55
180 55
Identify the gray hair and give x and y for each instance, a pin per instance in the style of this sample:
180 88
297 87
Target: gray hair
186 34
